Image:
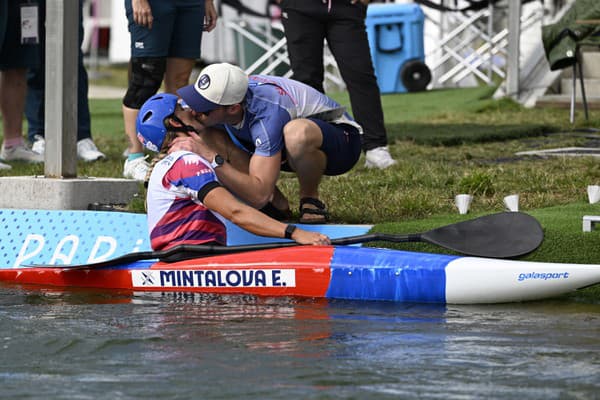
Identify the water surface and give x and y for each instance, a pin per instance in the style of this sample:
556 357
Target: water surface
108 345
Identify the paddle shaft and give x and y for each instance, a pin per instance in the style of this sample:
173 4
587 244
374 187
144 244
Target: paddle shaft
208 250
501 235
378 237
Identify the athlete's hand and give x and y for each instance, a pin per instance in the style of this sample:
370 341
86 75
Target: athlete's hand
142 13
307 237
210 16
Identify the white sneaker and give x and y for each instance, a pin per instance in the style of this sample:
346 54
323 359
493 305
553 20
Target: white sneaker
87 151
4 166
379 157
39 144
125 153
136 169
20 153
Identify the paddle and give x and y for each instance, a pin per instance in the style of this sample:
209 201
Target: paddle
502 235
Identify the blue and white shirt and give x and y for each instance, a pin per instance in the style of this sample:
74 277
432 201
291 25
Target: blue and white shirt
272 102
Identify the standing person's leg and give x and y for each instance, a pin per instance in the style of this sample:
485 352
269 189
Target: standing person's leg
13 88
305 32
149 48
14 60
86 148
34 108
34 101
184 48
349 43
177 73
84 130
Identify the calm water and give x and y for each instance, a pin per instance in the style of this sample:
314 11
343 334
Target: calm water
94 345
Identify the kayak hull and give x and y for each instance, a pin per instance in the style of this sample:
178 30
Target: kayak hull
333 272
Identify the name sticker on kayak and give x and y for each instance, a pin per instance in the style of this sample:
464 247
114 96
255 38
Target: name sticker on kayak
214 278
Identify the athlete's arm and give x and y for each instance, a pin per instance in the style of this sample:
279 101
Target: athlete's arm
218 199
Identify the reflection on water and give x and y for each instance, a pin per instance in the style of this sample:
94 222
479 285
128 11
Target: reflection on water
92 344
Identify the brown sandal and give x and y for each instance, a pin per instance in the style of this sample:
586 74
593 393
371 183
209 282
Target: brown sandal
321 210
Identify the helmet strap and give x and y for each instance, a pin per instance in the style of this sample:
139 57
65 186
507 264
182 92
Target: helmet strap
182 126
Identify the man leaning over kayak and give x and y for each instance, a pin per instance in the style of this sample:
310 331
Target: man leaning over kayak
281 124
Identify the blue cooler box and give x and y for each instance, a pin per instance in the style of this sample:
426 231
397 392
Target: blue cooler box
395 34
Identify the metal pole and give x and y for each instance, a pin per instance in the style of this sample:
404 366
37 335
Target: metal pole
62 36
514 34
443 28
491 44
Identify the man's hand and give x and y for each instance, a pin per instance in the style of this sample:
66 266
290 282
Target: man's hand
365 2
194 143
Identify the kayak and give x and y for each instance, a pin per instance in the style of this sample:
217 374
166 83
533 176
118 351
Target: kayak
110 250
331 272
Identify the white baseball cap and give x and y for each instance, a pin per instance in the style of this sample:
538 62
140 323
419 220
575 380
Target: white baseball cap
220 84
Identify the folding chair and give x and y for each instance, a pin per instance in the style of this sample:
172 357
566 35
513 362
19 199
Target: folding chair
591 40
563 42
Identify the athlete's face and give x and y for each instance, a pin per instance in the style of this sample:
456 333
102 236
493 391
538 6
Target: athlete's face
187 116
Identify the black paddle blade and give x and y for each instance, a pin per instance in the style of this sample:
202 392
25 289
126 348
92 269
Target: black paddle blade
502 235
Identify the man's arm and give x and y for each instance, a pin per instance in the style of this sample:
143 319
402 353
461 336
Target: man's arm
257 186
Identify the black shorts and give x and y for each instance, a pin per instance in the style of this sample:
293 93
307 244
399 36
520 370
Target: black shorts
342 145
13 54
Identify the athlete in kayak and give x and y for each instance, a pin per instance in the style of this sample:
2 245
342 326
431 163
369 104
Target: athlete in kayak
185 202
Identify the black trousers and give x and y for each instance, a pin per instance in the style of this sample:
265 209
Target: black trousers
307 24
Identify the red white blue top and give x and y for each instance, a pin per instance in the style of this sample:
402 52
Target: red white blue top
176 214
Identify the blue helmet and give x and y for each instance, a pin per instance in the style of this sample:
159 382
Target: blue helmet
151 120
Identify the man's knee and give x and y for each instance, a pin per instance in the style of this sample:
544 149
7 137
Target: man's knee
146 77
301 135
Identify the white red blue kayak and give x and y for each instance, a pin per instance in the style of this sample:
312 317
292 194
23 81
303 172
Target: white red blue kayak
110 250
333 272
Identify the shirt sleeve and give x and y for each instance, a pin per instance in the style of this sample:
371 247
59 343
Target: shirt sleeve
191 177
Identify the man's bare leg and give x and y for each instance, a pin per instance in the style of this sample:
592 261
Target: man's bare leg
303 139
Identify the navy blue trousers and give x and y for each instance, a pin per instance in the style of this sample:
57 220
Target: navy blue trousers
307 24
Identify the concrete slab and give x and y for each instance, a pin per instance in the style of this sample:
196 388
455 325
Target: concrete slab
39 192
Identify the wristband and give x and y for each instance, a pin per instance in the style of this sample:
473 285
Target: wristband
289 230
